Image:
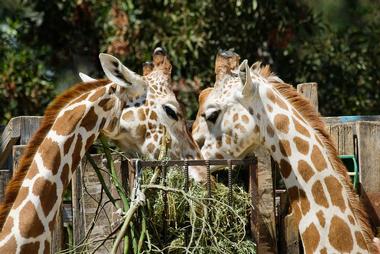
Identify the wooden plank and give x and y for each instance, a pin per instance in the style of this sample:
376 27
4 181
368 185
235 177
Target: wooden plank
16 154
57 240
78 213
310 91
369 163
89 199
266 219
252 172
19 129
5 175
342 135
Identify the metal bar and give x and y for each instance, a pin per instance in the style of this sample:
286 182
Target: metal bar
165 211
181 163
207 163
229 183
187 225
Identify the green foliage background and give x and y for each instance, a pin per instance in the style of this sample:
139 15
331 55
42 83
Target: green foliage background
44 44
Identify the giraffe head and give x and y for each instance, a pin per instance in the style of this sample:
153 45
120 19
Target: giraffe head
151 107
225 126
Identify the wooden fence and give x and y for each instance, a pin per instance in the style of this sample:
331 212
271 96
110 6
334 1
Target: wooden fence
276 231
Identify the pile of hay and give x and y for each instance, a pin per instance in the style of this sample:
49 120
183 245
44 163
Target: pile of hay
212 225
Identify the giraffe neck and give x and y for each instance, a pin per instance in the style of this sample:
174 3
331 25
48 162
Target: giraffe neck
318 191
31 219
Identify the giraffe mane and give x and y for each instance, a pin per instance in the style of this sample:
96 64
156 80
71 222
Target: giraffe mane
50 115
308 112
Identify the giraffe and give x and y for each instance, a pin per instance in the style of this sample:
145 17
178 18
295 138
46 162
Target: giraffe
128 108
250 108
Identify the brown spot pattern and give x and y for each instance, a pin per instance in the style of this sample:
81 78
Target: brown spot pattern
245 118
99 93
10 246
360 240
335 190
47 193
300 129
219 156
317 158
6 228
128 116
319 194
285 168
29 248
235 117
65 175
78 99
340 235
76 157
29 223
90 140
73 116
240 127
321 218
305 204
52 155
150 148
293 193
351 219
153 116
285 148
270 131
33 170
107 104
271 96
89 120
305 170
141 114
273 148
141 130
22 194
282 104
310 238
47 247
302 145
281 122
323 251
67 144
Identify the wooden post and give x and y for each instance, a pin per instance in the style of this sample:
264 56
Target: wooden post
310 91
263 220
368 134
91 204
5 175
18 130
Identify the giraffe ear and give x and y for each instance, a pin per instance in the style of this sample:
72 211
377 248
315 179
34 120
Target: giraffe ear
118 73
85 77
249 87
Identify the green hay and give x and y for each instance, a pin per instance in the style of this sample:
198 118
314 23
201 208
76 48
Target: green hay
213 226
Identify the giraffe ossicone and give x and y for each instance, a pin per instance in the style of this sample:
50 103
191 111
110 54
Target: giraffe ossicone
130 109
250 108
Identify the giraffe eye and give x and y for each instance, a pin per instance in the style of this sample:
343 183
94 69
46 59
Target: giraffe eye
213 116
170 112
